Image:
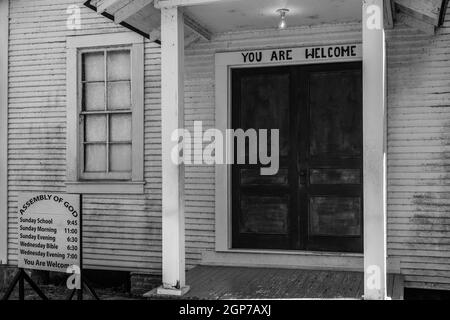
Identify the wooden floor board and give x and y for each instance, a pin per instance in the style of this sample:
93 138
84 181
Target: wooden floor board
218 282
293 283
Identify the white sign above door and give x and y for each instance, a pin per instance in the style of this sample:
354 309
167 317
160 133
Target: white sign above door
303 55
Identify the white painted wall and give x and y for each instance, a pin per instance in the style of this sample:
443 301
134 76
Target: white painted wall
418 155
120 231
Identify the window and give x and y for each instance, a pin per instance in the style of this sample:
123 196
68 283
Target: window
106 114
105 98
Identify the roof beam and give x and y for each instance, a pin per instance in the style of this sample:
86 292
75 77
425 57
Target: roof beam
196 27
107 5
130 9
443 12
389 14
418 24
427 11
155 34
134 6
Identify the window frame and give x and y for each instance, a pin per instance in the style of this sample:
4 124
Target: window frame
76 181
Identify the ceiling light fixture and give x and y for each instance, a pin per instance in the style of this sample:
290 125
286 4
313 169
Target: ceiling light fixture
283 24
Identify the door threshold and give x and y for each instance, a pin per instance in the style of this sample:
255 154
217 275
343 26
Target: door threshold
293 252
291 260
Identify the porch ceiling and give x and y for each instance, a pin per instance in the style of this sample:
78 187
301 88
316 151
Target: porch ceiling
218 16
241 15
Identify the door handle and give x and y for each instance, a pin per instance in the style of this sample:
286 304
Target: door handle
302 177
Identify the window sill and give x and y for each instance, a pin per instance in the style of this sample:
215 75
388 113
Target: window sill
105 187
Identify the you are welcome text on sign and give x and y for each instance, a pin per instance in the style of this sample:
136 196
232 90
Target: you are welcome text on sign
304 54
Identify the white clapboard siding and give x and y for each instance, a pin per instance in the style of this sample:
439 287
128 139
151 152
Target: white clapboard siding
121 232
418 161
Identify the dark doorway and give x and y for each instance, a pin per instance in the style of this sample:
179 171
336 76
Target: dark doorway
315 200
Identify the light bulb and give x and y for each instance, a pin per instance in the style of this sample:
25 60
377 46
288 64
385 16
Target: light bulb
283 24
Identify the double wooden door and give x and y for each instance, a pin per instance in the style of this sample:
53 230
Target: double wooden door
314 202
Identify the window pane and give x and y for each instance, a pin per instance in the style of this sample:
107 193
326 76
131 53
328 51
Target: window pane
93 66
118 65
94 96
120 127
120 157
95 128
95 158
119 95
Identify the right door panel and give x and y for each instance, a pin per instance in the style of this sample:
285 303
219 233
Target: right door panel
330 157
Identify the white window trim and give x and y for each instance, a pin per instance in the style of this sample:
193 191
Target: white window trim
74 45
4 34
224 62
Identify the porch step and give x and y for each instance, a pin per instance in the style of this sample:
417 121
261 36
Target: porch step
218 282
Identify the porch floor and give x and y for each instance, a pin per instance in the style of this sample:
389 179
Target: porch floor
217 282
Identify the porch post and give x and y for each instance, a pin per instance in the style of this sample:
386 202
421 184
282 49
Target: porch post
374 113
4 35
172 118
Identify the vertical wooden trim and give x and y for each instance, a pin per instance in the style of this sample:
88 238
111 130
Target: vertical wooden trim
72 74
172 118
137 82
374 138
4 36
222 172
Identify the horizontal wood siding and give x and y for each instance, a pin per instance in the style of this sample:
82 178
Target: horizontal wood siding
120 232
418 155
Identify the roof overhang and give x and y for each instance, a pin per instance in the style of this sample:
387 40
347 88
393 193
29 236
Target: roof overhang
204 18
100 7
143 17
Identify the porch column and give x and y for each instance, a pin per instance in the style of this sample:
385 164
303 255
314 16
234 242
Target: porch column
172 118
4 34
374 115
